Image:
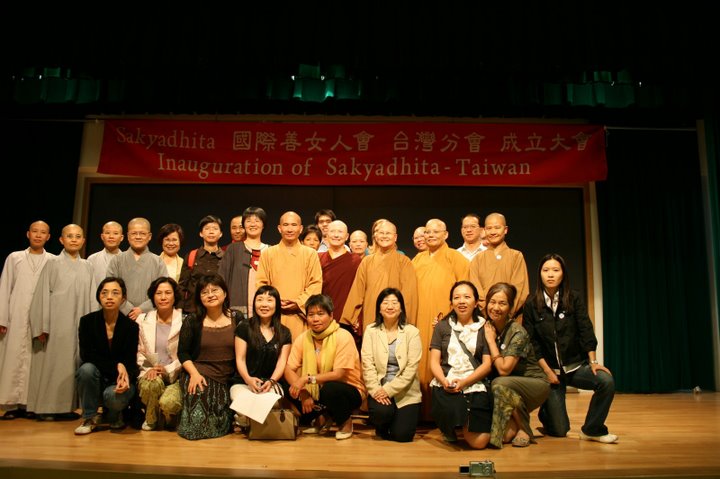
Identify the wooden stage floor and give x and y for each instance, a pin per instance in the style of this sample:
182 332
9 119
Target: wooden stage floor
661 435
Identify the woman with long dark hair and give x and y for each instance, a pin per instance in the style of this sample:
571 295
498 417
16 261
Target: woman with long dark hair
564 340
262 346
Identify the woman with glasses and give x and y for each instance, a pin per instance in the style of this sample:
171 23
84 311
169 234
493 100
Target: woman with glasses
108 350
391 351
207 354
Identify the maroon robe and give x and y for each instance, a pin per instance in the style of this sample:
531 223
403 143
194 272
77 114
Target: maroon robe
338 275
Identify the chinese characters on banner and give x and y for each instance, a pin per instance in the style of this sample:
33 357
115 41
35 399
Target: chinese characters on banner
407 153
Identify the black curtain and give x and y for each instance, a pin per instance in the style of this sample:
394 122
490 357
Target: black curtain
657 321
39 167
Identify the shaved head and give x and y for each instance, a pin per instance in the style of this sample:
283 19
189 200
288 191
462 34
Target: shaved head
435 234
496 216
290 216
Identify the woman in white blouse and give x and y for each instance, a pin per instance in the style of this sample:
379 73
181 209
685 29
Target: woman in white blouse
460 363
157 354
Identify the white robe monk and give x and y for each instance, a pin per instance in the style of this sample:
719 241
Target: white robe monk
64 293
20 274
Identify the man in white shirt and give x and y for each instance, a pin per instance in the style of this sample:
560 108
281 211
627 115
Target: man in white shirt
472 232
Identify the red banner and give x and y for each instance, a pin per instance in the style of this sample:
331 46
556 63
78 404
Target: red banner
404 153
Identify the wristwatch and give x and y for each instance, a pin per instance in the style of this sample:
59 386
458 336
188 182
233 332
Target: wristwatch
312 379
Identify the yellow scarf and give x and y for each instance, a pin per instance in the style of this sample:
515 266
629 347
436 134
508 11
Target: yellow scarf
327 355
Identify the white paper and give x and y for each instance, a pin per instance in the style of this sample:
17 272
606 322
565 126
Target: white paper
254 406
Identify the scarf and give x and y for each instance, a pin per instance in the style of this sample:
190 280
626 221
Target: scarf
327 355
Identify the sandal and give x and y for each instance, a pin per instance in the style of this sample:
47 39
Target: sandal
520 441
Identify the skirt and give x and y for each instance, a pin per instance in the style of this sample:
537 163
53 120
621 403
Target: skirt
205 414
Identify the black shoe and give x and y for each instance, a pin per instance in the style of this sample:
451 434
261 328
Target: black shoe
14 414
67 416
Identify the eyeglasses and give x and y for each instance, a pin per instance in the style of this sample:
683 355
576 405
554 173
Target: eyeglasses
112 292
138 234
210 292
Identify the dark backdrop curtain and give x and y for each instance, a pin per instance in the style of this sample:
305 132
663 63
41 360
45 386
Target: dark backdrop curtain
657 322
39 168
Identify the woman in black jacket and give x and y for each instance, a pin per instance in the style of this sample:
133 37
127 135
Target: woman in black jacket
564 341
108 350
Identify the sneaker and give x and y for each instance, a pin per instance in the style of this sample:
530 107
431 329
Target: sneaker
605 439
118 423
147 426
87 426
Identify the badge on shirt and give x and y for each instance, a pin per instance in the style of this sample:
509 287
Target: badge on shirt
499 256
561 315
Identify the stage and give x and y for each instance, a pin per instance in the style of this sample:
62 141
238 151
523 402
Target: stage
661 435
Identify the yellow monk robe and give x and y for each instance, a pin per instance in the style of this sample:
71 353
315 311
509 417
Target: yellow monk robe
375 273
500 265
436 274
296 273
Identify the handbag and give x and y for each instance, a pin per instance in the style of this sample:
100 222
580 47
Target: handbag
279 424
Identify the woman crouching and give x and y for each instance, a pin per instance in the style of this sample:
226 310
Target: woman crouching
323 371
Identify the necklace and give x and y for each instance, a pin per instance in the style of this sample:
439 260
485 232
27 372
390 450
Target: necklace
214 323
34 260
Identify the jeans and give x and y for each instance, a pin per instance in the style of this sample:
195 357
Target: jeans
94 391
553 413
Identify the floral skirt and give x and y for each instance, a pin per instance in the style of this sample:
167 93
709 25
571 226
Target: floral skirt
205 414
512 393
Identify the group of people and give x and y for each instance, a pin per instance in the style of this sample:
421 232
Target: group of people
337 326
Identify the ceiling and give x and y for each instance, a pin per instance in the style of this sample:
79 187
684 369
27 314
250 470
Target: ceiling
477 59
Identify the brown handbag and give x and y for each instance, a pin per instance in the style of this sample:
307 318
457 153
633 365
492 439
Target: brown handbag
279 424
